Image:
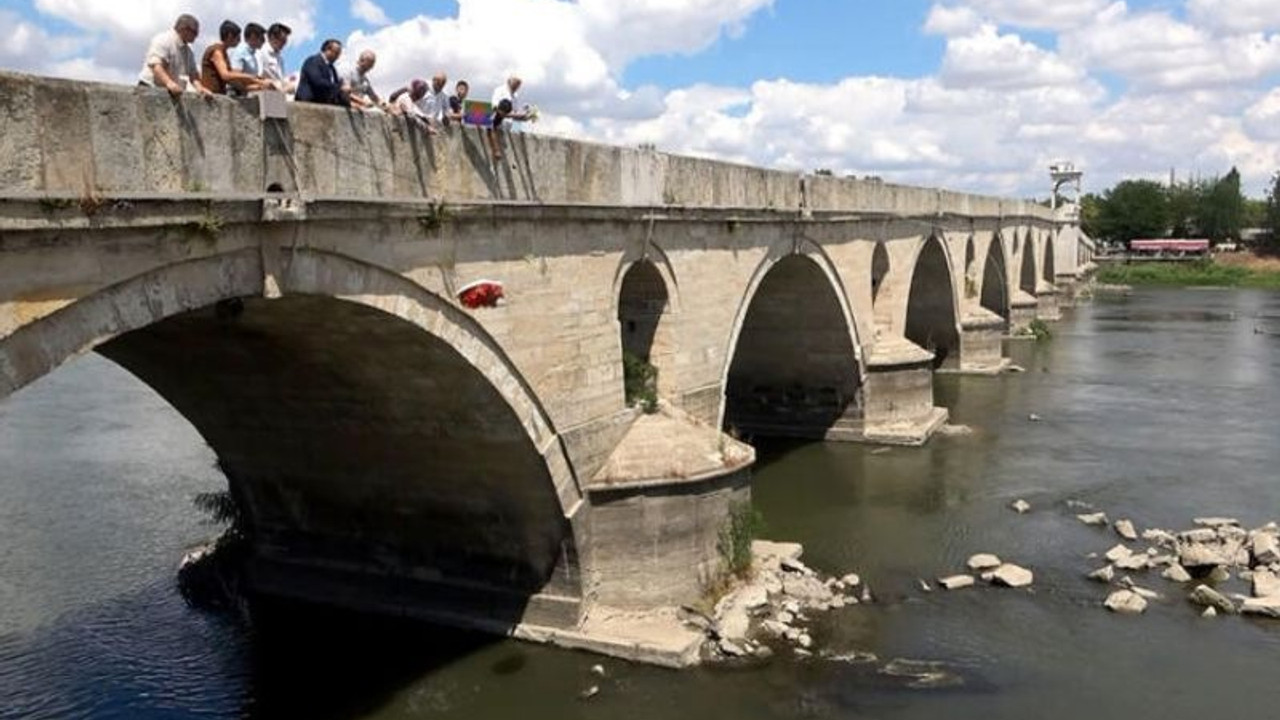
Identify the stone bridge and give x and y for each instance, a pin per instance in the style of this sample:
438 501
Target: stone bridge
290 285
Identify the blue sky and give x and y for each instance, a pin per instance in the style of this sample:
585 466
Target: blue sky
972 94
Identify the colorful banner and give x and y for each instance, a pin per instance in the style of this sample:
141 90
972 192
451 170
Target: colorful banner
477 112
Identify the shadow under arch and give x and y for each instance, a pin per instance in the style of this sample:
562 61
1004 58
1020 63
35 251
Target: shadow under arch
995 279
1027 275
933 317
371 431
1049 273
793 366
647 301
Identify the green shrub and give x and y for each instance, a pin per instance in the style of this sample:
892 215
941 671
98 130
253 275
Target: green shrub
742 526
640 382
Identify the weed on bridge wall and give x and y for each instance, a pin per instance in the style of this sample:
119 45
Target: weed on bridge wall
640 382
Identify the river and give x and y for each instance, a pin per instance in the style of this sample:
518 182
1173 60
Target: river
1160 406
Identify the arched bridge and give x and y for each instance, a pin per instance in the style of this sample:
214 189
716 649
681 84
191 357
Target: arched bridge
290 287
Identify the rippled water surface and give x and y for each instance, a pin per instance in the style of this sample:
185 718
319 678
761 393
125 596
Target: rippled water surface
1160 406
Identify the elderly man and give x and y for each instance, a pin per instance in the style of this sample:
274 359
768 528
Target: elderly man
355 83
319 82
436 104
505 102
170 62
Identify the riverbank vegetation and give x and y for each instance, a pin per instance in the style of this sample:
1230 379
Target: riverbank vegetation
1205 273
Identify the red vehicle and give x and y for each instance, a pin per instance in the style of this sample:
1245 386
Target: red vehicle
1164 247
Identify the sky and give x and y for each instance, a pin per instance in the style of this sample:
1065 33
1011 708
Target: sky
974 95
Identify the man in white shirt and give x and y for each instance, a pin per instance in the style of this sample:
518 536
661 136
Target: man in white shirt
170 62
435 104
409 103
271 56
505 103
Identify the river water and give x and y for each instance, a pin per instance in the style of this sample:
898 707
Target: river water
1161 406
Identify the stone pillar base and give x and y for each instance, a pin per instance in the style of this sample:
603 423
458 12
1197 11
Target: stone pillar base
899 406
981 344
1047 303
657 507
1021 312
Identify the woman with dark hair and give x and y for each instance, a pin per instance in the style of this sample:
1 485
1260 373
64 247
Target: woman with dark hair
215 67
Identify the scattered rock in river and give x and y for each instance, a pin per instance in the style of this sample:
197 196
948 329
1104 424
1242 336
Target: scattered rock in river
1125 529
1265 606
1265 548
956 582
1176 573
1013 576
1208 597
1119 552
1126 602
1020 506
1209 612
1265 584
1215 522
1097 519
1218 575
984 561
1104 574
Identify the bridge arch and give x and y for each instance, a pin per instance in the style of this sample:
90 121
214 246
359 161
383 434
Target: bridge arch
647 301
995 279
793 364
366 426
1027 275
932 306
879 269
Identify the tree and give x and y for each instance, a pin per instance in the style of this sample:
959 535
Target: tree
1184 207
1221 210
1133 209
1091 215
1273 212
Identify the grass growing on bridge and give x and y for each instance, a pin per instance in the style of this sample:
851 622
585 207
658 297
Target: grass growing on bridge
1190 274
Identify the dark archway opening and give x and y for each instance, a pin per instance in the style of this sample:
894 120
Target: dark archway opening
995 281
1027 278
372 463
931 316
970 281
646 346
1049 271
879 269
794 370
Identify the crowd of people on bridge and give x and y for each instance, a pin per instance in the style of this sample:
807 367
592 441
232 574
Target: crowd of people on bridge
250 60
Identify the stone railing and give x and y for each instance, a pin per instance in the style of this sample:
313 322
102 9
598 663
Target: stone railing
64 137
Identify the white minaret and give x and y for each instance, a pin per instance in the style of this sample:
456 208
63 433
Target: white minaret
1065 175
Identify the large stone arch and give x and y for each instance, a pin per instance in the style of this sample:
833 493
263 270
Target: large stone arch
1027 275
933 314
995 279
793 365
371 431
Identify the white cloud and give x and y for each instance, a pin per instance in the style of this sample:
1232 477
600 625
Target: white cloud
119 37
988 59
1157 52
1236 16
947 20
1038 14
369 12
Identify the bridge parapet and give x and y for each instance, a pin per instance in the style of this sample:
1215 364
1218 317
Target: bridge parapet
64 136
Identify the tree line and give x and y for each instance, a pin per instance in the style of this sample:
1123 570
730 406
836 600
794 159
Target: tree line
1211 208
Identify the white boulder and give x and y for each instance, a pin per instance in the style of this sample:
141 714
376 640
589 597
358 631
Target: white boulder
1098 518
1119 552
1124 528
984 561
1266 584
1126 602
955 582
1020 506
1011 575
1103 575
1208 597
1176 573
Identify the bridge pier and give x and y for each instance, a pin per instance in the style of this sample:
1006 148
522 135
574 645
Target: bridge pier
981 346
1022 310
899 406
1047 303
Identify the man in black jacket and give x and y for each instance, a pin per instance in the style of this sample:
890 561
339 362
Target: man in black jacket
319 81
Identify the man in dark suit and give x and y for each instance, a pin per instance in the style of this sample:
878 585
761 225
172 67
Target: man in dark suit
319 81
